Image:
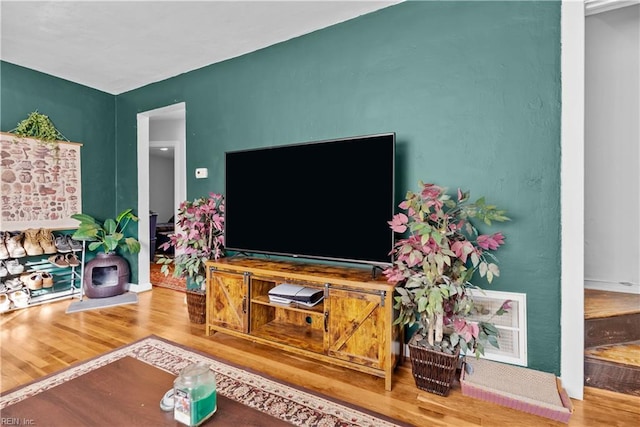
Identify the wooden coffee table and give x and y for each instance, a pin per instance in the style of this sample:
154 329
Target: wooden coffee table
124 392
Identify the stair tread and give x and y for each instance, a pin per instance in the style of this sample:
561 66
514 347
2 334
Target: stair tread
623 354
602 304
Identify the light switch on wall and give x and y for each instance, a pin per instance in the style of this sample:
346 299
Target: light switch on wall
202 173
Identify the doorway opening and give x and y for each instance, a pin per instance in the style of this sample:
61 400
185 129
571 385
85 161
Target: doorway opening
160 128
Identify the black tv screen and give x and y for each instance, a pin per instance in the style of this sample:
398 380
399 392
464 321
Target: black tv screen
325 200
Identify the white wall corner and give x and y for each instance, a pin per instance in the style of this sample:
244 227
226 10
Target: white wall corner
572 197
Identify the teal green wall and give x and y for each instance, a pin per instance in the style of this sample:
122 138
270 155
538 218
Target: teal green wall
82 114
472 90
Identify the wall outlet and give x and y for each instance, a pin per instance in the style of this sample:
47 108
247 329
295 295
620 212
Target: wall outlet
202 173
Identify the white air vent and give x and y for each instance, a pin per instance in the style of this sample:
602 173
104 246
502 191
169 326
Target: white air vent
512 326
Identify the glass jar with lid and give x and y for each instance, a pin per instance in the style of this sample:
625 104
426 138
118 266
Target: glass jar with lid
194 394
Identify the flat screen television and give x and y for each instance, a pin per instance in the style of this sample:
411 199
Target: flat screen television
322 200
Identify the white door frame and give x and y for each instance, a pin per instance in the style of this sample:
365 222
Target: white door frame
180 190
572 197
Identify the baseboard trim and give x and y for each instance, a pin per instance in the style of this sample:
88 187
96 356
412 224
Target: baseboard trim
601 285
137 288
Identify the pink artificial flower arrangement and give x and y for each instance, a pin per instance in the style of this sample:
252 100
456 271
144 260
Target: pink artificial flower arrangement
435 262
199 237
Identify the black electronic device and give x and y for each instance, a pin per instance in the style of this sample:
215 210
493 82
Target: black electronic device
325 200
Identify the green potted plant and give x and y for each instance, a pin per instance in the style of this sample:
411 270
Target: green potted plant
434 266
199 237
106 237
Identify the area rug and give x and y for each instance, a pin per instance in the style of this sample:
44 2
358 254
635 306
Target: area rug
286 402
95 303
159 279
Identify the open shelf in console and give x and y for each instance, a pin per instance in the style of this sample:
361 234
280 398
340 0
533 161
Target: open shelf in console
288 324
298 336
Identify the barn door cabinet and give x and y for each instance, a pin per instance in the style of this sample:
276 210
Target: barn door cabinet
227 301
352 327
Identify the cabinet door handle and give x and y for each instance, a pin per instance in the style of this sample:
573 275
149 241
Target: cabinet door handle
244 304
326 321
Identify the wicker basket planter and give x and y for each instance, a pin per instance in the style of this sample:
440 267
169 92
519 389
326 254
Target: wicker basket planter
196 303
433 371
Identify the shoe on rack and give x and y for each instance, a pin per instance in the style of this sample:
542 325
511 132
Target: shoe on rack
31 242
13 241
62 245
13 284
72 260
47 279
4 253
58 260
3 270
20 298
46 240
75 245
5 302
14 266
32 280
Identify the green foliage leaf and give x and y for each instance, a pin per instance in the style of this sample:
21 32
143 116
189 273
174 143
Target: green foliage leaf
110 226
94 245
491 339
475 259
84 218
454 339
483 268
133 245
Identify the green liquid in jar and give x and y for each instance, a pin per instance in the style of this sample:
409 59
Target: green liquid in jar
203 404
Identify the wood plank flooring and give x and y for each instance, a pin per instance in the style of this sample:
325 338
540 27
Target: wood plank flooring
601 304
41 340
625 354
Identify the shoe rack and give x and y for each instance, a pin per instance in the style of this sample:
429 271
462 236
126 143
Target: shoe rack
63 281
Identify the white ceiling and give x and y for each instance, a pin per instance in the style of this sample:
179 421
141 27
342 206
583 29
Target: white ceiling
117 46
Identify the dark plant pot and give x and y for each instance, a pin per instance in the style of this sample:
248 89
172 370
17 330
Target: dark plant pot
433 370
106 275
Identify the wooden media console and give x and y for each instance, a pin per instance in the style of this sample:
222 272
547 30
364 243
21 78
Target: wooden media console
351 327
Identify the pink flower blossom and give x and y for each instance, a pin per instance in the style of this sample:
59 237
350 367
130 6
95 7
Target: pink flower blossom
462 249
398 223
431 191
490 242
393 275
465 329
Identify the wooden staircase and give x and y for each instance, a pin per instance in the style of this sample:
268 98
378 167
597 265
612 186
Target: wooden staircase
612 341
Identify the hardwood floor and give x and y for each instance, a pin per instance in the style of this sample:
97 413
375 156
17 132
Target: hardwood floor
612 341
43 339
601 304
